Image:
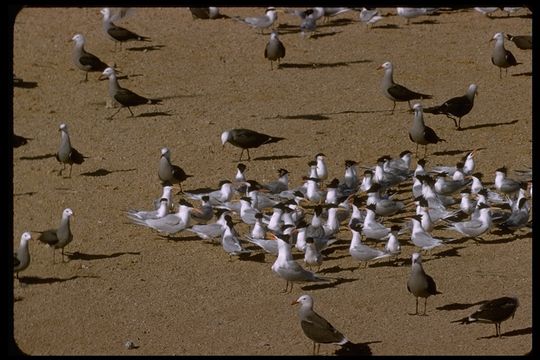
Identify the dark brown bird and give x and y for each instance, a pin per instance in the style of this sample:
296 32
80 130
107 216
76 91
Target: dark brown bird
420 133
493 312
274 49
456 107
419 283
247 139
117 33
84 60
170 173
524 42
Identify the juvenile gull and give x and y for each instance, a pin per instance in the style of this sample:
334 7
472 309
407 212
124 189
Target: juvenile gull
493 312
117 33
274 49
84 60
67 154
419 283
396 92
58 238
457 106
168 172
501 57
247 139
420 133
317 328
123 96
21 258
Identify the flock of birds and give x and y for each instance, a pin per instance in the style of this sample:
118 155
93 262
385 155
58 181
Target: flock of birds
278 215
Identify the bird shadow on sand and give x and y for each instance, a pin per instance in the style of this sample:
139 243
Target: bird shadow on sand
503 240
452 152
146 48
327 285
49 280
460 306
526 73
524 331
25 84
29 193
104 172
425 22
322 65
336 269
356 349
82 256
277 157
154 114
480 126
37 157
386 27
338 22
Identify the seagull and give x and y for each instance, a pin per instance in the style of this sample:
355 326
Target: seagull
329 12
322 169
420 133
67 154
117 33
493 312
396 92
21 258
205 212
211 12
168 172
383 206
166 194
445 186
274 49
518 218
486 10
476 227
504 184
171 223
420 237
217 197
371 228
58 238
361 252
369 16
279 185
458 106
84 60
419 283
501 57
261 22
287 268
524 42
123 96
152 214
230 242
317 328
412 12
392 246
213 230
247 139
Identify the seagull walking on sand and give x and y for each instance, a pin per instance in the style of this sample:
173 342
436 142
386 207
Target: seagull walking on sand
84 60
67 154
419 283
420 133
247 139
61 236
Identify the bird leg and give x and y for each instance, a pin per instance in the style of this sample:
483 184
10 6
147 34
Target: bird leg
62 169
131 112
451 117
425 304
392 112
120 108
70 167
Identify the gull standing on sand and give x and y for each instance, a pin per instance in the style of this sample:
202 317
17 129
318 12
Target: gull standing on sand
419 283
361 252
312 255
287 268
84 60
161 211
247 139
167 172
396 92
21 258
458 106
420 133
420 237
260 22
476 227
117 33
412 12
493 312
230 242
171 223
274 49
317 328
67 154
506 185
58 238
501 57
123 96
369 16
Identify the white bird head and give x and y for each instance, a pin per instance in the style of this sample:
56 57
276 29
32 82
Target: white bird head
386 66
499 37
417 107
67 213
78 38
225 136
25 237
63 127
109 72
304 300
416 258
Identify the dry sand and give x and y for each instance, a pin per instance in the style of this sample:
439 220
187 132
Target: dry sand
183 296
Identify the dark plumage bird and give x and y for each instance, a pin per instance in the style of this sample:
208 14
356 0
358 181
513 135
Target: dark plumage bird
493 312
247 139
396 92
419 283
420 133
211 12
84 60
524 42
317 328
170 173
67 154
58 238
125 97
19 140
274 49
458 106
501 57
117 33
